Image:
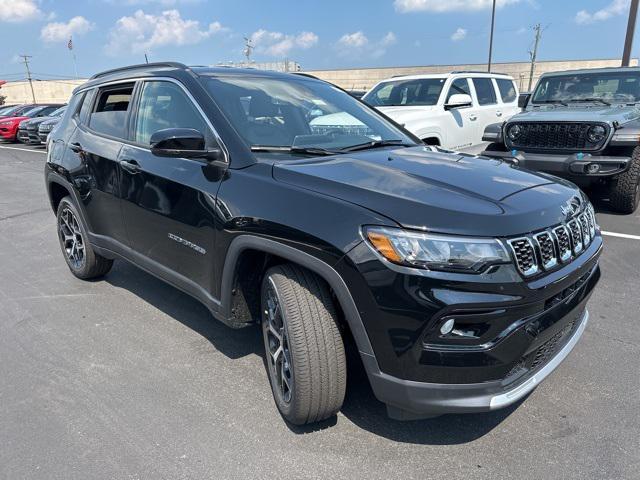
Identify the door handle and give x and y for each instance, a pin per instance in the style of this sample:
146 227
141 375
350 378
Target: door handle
473 118
75 147
498 113
130 166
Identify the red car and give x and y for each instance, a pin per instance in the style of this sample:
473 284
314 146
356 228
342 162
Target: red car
9 125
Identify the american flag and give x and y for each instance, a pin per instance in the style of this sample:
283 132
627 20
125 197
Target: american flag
70 44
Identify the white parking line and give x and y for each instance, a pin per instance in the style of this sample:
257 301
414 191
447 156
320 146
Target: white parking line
621 235
24 149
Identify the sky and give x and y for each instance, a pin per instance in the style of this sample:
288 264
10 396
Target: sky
319 34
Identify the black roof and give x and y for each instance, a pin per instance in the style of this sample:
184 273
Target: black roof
167 68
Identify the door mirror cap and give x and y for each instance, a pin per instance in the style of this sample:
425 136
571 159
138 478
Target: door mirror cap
182 143
523 99
459 100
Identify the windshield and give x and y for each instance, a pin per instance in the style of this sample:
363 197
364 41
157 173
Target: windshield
32 112
296 113
59 112
604 87
421 91
11 110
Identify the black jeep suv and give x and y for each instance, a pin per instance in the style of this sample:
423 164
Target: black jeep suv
583 125
282 201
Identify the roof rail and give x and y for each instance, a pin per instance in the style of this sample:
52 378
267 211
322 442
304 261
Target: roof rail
478 71
138 66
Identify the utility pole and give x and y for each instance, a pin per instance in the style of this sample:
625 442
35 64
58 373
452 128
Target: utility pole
534 53
493 20
631 28
146 59
26 58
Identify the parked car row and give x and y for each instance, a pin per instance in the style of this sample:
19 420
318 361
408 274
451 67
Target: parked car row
16 121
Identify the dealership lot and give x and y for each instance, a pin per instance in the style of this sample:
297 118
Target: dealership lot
129 378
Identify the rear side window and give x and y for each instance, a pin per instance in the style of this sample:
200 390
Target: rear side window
485 91
507 90
110 113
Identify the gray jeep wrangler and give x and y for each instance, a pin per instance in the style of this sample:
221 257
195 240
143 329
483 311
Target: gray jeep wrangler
582 125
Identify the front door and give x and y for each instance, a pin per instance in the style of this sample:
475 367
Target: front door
168 203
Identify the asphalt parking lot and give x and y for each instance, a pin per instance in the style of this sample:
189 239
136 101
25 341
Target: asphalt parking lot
128 378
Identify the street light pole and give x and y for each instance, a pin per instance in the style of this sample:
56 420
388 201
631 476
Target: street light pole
631 28
493 20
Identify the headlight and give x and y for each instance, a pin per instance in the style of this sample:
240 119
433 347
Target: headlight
514 132
596 133
435 252
6 123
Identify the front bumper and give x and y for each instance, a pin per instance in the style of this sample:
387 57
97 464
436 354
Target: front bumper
571 166
22 136
407 400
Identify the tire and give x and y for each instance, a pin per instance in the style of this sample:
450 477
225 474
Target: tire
83 262
625 190
307 370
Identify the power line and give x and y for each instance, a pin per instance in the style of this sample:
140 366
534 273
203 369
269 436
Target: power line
26 64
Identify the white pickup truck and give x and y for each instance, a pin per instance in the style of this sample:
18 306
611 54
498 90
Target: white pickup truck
450 110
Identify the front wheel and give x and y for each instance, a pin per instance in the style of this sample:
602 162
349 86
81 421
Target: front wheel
625 190
304 349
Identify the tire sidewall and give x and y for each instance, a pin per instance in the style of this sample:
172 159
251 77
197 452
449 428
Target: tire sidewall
286 409
66 203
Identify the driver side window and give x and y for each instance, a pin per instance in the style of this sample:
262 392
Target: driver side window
165 105
460 86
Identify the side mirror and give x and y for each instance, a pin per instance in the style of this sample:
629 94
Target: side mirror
182 143
523 99
459 100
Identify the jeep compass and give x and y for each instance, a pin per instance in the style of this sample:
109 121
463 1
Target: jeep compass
461 281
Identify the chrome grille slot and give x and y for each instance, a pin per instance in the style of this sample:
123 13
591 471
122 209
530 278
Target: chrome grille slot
584 224
576 236
525 256
592 221
547 250
563 242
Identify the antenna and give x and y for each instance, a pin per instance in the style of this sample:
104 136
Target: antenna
26 58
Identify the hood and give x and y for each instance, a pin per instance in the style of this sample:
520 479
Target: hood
13 119
33 123
584 113
441 192
406 114
51 120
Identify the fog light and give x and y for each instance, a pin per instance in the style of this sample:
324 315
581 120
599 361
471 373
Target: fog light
447 326
593 168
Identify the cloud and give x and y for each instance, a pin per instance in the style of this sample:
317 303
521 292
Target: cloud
439 6
459 34
278 44
143 32
163 3
616 7
357 44
60 31
357 40
19 10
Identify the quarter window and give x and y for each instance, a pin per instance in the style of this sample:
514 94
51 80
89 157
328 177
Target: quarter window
507 90
165 105
485 91
110 114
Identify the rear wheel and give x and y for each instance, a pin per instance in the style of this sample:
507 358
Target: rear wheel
625 190
81 259
304 350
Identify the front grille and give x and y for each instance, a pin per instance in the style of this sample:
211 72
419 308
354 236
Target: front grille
525 255
554 136
545 250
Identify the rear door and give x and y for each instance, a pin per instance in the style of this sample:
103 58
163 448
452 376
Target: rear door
489 110
96 144
508 96
168 203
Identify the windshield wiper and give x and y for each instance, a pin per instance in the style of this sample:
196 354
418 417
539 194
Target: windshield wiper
376 144
301 150
592 99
